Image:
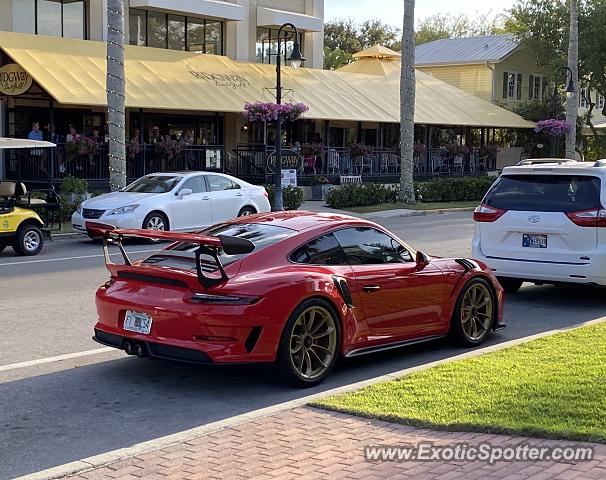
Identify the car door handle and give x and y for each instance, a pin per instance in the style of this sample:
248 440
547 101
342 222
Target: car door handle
239 194
205 198
371 288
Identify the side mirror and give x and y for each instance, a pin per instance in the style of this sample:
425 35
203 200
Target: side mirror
184 192
422 260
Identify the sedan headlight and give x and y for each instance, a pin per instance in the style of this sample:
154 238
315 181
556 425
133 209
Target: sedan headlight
123 210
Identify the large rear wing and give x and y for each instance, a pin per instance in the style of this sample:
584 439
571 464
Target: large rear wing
207 246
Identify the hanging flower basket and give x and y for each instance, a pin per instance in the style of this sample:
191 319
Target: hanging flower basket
82 146
269 112
553 127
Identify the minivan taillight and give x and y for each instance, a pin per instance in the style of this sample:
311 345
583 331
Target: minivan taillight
596 217
484 213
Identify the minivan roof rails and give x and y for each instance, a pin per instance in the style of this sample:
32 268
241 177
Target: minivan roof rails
539 161
600 163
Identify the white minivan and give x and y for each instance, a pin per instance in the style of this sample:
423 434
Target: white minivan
543 221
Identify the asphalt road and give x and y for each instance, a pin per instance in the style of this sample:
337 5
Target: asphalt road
59 410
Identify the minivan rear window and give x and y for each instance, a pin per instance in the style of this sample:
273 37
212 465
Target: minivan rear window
545 193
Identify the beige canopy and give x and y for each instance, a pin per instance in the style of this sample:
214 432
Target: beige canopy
73 73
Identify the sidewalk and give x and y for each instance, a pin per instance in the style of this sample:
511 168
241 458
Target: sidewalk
309 443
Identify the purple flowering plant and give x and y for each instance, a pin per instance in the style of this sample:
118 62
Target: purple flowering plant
553 127
269 112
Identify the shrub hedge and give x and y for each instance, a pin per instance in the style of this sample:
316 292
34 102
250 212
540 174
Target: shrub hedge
450 189
292 197
360 195
453 189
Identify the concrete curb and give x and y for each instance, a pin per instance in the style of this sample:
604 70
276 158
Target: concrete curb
414 213
103 459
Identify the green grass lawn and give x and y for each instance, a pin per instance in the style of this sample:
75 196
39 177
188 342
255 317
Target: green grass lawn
417 206
553 387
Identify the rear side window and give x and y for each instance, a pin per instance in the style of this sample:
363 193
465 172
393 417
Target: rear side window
219 184
545 193
324 250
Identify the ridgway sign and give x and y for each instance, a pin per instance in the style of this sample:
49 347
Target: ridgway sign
291 160
14 80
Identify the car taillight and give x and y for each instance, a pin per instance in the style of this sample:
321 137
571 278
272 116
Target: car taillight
596 217
484 213
265 193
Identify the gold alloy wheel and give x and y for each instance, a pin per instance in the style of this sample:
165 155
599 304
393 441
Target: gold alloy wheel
476 312
313 342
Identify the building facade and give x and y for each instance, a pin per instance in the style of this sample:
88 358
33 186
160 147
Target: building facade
492 67
244 30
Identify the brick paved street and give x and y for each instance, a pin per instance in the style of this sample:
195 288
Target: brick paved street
309 443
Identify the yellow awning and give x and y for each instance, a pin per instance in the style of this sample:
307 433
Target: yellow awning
73 73
370 66
377 51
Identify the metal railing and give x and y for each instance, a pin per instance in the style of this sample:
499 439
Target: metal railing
54 164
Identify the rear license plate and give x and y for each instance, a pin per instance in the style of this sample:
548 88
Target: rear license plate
534 241
137 322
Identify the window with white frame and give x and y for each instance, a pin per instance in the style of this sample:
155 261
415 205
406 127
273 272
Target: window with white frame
584 98
512 86
535 87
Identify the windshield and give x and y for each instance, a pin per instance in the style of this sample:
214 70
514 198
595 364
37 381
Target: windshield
153 184
545 193
182 254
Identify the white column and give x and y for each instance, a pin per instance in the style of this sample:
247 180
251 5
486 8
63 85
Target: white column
238 33
314 42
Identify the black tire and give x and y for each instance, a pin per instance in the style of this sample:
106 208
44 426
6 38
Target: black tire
285 367
245 211
2 247
510 285
28 240
471 329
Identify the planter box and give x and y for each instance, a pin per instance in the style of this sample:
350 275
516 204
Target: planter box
319 192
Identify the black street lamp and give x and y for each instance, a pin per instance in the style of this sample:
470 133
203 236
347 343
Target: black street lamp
554 105
296 59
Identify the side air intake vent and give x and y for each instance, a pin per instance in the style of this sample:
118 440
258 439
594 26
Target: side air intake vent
343 289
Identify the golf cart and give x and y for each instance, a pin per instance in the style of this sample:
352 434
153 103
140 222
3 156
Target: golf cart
26 217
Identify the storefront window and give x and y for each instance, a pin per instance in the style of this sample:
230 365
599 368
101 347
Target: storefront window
49 18
195 35
267 45
73 19
213 38
59 18
137 26
176 32
161 30
156 30
24 16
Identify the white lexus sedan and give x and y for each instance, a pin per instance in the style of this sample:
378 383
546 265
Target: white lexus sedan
174 201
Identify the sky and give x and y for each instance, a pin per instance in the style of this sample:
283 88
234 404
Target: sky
391 11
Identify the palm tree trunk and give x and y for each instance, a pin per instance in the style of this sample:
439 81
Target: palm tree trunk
572 104
115 87
407 104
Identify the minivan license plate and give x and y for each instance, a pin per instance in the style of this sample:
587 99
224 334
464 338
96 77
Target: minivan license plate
137 322
534 241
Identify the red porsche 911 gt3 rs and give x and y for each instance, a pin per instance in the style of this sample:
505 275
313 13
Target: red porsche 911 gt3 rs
296 289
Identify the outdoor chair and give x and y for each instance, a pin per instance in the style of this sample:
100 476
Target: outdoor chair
345 161
393 163
333 162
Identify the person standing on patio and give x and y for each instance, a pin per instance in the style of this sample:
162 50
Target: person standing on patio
36 133
36 154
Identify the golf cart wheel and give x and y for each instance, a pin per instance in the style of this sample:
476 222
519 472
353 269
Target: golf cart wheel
28 240
2 247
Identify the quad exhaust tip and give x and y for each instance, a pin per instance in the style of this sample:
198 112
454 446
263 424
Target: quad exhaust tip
133 348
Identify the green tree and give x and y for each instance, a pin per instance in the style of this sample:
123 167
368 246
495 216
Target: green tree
342 34
336 58
439 26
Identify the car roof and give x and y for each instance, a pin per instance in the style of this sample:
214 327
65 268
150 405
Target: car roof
556 166
302 220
